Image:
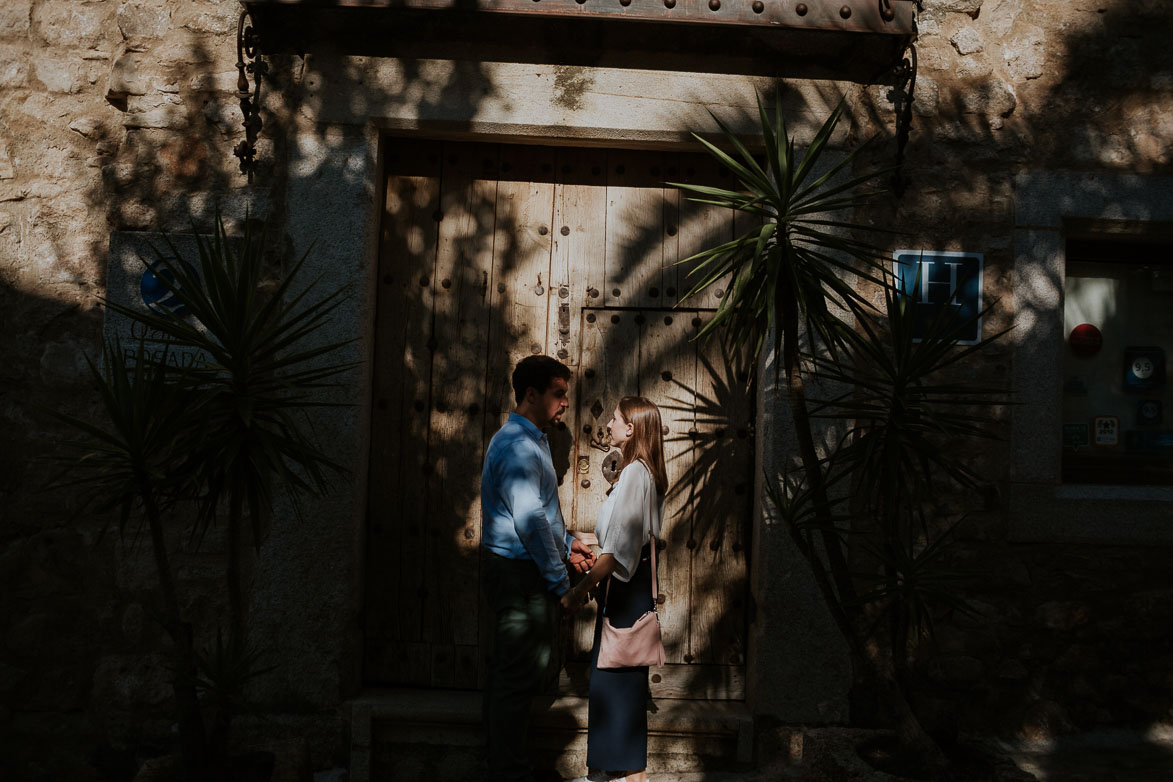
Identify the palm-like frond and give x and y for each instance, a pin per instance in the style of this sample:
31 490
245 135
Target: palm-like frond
261 372
133 451
225 668
794 264
920 580
900 405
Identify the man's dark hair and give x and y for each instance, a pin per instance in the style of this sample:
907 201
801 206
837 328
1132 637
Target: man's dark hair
537 372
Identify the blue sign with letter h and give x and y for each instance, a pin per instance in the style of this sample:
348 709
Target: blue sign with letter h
940 281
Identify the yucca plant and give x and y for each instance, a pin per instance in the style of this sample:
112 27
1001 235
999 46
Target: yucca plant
900 414
224 671
127 463
256 386
802 278
789 276
222 434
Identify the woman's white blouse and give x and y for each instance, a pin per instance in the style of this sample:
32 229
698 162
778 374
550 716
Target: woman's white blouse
631 512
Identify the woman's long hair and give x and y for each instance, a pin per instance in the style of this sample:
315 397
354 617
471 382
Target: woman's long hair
647 438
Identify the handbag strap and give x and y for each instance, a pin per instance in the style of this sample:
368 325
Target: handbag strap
655 581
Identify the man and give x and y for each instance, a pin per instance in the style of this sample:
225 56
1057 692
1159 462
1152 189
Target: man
526 552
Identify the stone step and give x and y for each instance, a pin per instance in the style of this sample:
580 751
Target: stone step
438 734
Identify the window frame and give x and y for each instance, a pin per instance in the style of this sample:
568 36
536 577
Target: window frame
1050 209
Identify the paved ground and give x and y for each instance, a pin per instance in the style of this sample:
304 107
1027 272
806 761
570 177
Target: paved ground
1099 757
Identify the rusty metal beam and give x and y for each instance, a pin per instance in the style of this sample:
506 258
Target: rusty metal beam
892 17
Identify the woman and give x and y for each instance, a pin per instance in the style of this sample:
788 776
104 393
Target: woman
617 734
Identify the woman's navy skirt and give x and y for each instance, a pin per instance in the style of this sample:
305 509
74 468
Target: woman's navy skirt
617 734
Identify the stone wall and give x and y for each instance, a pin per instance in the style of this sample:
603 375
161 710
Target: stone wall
1066 635
121 115
113 116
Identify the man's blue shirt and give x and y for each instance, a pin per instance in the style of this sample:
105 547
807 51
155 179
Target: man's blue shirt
519 501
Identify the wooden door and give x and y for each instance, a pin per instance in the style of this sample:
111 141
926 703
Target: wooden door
490 253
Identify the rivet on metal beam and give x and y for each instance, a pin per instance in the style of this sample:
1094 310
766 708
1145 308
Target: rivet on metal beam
845 12
669 3
800 9
758 6
714 5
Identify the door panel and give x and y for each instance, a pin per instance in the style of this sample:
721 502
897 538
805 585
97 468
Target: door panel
580 236
399 422
701 225
635 229
721 467
667 376
490 253
460 323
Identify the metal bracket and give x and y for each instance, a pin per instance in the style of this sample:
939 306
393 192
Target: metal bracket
250 99
905 88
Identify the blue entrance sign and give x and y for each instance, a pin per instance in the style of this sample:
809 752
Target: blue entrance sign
940 281
155 291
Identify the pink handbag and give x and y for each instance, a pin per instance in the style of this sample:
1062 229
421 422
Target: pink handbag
638 645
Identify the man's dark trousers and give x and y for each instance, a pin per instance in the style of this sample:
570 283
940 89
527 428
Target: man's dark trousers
523 663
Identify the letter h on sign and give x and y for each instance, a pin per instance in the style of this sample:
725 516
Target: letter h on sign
942 283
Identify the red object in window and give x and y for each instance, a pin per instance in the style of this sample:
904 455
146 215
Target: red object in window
1085 340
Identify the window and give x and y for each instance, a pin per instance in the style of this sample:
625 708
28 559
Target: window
1118 330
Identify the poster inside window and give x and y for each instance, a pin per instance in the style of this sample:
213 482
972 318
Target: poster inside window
1118 330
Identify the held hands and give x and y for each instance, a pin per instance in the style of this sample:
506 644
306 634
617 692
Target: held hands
582 558
599 569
